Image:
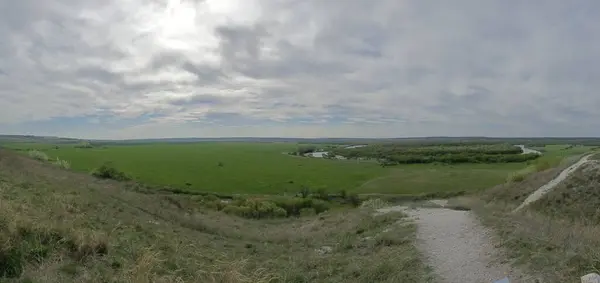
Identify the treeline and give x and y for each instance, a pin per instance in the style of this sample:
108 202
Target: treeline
457 158
386 150
390 154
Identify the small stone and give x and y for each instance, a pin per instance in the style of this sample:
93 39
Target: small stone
324 250
591 278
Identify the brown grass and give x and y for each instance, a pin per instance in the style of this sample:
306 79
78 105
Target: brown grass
554 239
514 193
60 226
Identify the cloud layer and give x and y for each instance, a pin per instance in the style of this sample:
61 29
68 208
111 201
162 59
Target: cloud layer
378 68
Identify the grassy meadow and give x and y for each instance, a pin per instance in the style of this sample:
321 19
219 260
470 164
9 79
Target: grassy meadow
60 226
265 168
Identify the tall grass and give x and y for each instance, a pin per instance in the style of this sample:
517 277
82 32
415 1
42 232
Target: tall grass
62 163
38 155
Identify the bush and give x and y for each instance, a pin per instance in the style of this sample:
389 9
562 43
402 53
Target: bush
84 145
343 194
293 206
108 171
304 192
354 200
62 163
306 149
254 208
215 204
322 194
517 177
318 205
38 155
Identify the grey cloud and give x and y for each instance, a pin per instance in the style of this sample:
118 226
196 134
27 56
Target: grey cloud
210 99
413 67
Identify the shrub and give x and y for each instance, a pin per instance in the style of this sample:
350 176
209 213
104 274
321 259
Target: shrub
108 171
322 194
343 194
215 204
293 206
306 149
84 145
62 163
255 208
318 205
38 155
211 197
304 192
517 177
242 211
354 200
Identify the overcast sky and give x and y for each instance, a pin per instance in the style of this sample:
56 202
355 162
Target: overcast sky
301 68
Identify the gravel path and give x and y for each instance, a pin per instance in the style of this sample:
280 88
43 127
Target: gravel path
539 193
457 246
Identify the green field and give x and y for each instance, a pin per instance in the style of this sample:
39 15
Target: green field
264 168
428 178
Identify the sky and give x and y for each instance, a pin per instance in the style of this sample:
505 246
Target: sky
122 69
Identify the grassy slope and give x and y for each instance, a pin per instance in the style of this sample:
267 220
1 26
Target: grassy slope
555 238
59 226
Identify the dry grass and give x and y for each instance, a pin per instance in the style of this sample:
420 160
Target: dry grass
555 238
514 193
60 226
554 250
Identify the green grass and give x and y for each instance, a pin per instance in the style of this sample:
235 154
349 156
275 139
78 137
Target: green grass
62 226
556 153
263 168
260 168
430 178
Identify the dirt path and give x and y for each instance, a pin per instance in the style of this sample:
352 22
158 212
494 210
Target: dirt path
553 183
457 246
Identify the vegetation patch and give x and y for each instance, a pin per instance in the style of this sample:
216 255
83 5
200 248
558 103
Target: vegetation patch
109 171
27 244
393 154
274 206
38 155
62 163
107 232
243 168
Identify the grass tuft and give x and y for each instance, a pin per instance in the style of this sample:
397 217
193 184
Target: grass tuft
38 155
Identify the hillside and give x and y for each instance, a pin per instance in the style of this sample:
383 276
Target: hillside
557 235
61 226
576 199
